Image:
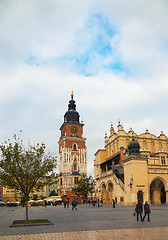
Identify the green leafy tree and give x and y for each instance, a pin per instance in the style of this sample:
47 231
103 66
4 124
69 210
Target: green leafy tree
25 169
35 197
63 197
84 186
53 193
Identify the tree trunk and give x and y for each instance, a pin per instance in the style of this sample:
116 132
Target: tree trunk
27 208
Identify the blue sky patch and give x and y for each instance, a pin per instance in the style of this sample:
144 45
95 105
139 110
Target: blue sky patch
32 61
95 50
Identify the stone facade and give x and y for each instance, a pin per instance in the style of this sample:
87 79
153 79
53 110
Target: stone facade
124 178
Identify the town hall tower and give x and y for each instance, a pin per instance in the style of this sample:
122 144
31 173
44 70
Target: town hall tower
72 151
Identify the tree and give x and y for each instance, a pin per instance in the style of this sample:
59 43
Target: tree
53 193
25 169
63 197
84 186
35 197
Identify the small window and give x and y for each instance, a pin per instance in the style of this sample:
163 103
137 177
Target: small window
121 199
60 181
75 167
116 200
163 160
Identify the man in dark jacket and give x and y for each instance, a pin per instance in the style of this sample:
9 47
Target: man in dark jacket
74 205
147 211
139 210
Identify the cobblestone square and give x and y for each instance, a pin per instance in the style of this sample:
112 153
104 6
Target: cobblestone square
86 222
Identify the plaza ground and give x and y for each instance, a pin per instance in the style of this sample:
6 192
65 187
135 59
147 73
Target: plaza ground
86 222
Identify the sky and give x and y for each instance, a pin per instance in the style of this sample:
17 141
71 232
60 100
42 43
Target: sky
112 54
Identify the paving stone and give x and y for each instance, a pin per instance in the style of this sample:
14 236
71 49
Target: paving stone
85 223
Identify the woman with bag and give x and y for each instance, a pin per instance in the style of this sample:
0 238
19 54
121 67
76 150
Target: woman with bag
147 211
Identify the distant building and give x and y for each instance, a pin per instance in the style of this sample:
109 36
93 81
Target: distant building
72 151
12 196
132 166
50 188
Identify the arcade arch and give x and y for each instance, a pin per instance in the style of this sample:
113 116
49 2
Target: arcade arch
157 191
107 191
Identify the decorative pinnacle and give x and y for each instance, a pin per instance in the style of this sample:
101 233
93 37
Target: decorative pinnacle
119 121
111 124
72 95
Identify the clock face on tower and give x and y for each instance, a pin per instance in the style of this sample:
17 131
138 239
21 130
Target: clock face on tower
74 129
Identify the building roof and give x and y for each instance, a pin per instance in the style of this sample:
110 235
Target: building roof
133 147
118 168
117 155
75 173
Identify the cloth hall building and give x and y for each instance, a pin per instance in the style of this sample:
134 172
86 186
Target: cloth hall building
132 166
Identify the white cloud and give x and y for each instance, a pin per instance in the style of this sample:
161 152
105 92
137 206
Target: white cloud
38 43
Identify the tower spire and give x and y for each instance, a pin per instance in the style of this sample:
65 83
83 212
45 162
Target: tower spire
71 116
72 95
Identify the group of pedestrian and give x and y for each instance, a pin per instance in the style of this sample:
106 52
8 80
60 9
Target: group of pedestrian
66 203
139 210
98 202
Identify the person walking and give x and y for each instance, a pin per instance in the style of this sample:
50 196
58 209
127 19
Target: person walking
68 204
101 202
74 205
114 203
64 203
139 210
93 202
98 203
147 211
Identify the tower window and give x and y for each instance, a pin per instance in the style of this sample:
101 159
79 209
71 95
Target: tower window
75 180
75 167
60 181
74 146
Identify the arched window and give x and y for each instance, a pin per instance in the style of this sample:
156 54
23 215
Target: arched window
75 167
74 146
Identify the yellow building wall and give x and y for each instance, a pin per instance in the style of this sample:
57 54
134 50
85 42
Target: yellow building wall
108 194
135 171
9 195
